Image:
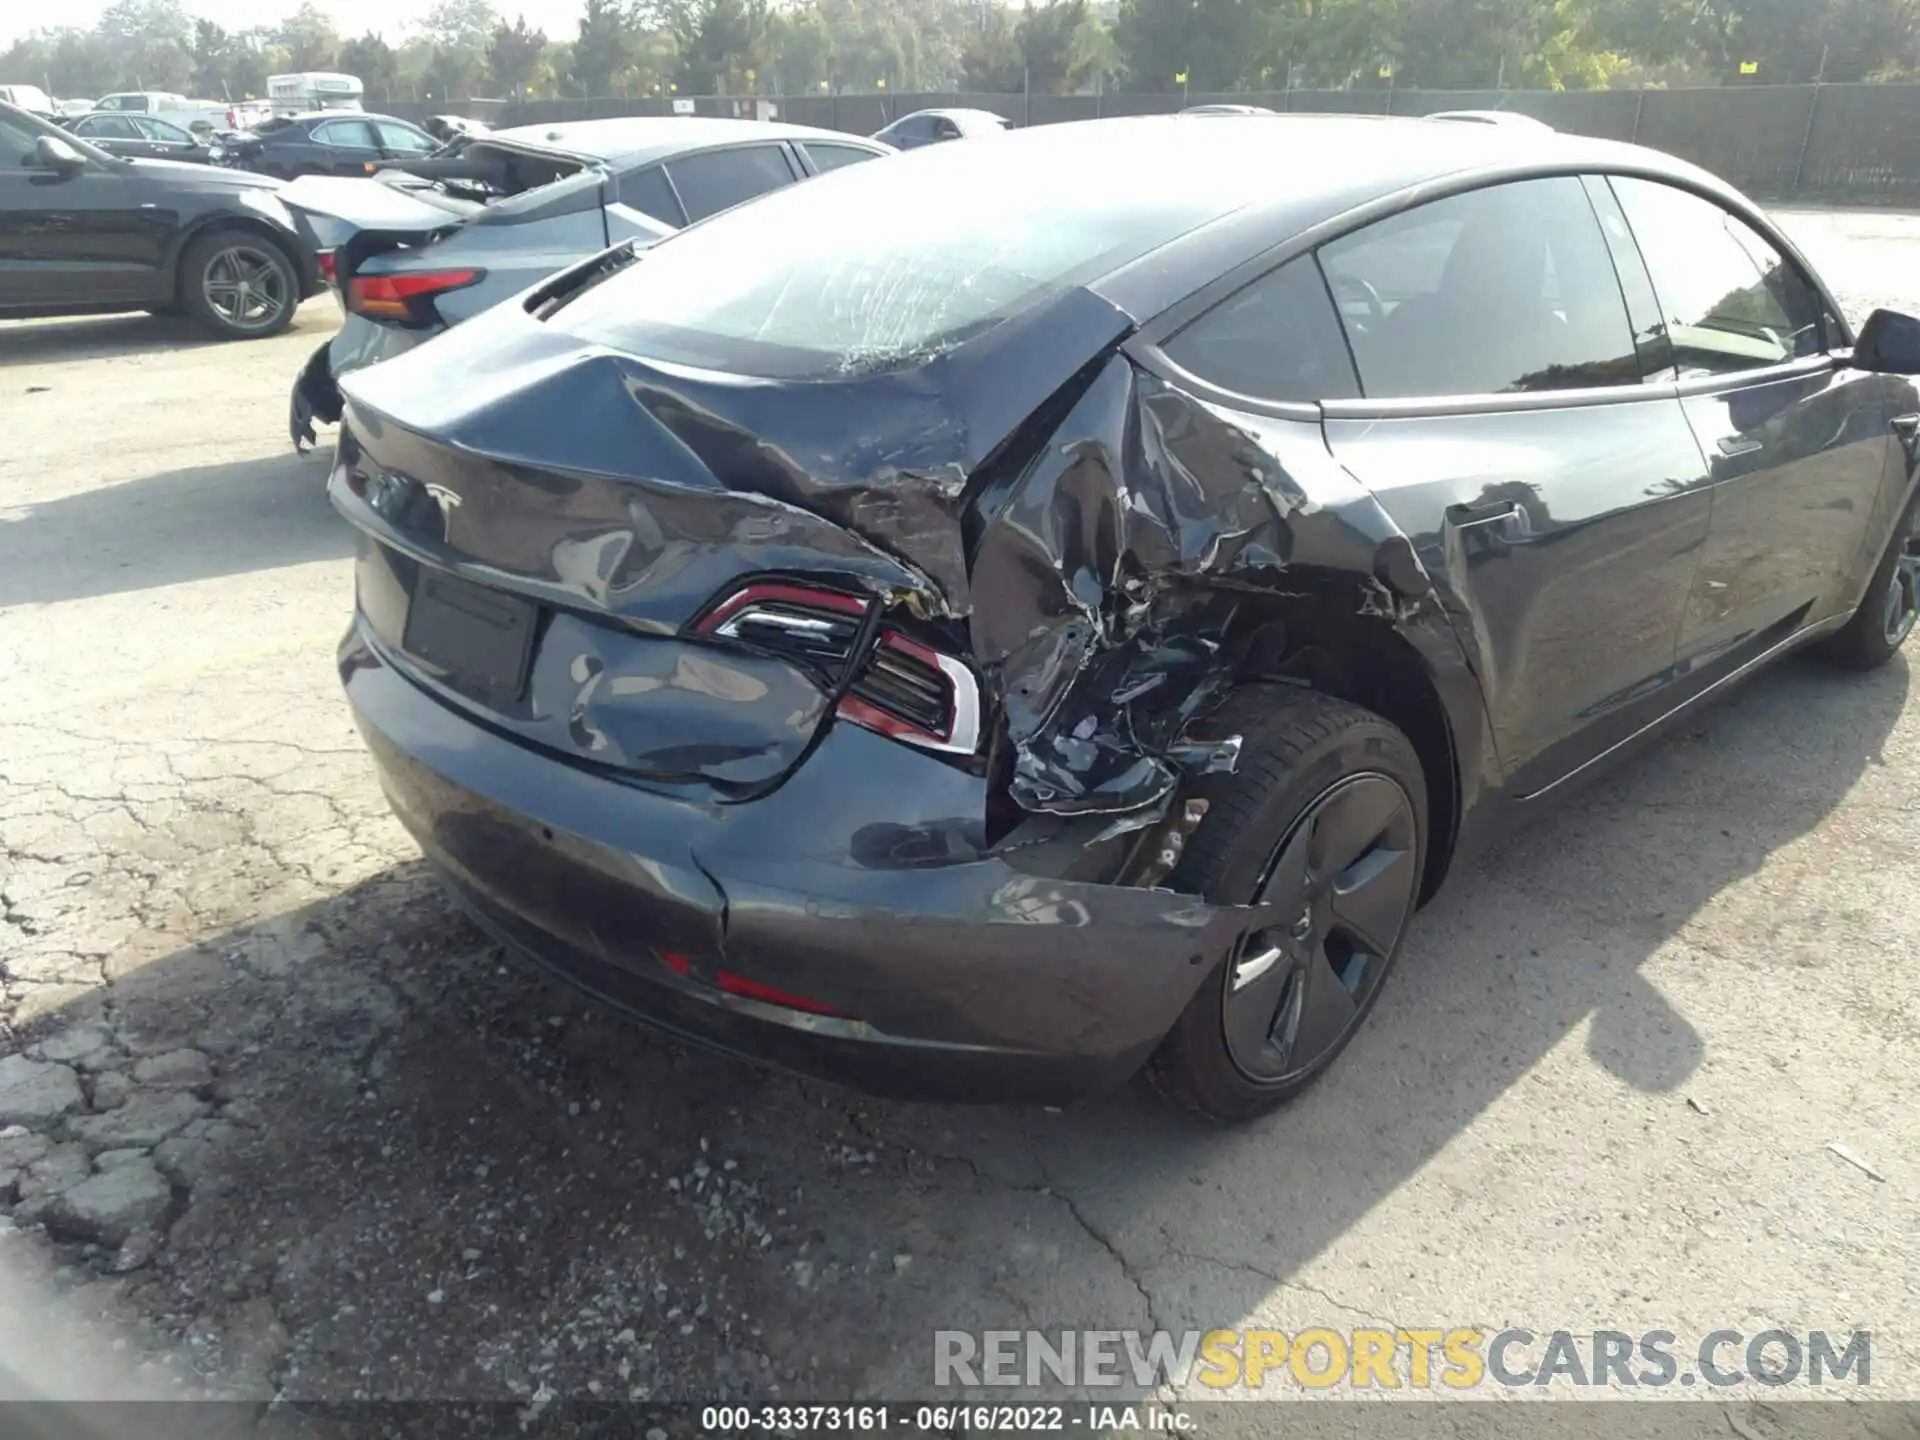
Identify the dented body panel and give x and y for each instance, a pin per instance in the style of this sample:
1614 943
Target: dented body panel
1021 985
1565 583
842 706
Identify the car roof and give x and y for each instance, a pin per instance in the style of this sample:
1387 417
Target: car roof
633 139
956 113
1268 179
310 116
1304 168
1490 117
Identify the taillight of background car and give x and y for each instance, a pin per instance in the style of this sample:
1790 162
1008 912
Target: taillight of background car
406 298
905 689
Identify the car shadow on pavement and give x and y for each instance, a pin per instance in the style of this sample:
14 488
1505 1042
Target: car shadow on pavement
183 525
98 337
406 1167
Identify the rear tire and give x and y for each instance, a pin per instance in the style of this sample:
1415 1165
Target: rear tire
1325 815
1892 606
239 285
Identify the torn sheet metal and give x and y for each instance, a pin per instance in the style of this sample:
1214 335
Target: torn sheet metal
696 477
1102 538
1109 581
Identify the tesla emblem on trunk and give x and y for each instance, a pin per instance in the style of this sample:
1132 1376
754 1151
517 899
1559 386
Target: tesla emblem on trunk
446 499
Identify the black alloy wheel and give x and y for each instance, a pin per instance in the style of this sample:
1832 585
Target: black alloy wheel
1346 870
239 285
1323 821
1889 613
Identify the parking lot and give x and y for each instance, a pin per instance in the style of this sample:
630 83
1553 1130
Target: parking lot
386 1162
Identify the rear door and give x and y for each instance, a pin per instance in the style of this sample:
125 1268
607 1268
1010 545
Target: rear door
1534 453
116 134
403 142
1799 446
163 141
343 147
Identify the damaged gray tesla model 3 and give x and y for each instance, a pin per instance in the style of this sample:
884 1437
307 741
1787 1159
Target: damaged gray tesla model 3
977 625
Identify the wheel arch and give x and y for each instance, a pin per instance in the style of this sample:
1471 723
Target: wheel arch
1412 683
287 244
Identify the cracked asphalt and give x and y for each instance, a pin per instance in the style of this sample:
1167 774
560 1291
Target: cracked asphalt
279 1122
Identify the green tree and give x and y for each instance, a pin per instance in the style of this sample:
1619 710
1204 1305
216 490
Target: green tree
1217 44
310 38
802 48
151 41
457 33
992 61
606 45
721 42
375 62
514 55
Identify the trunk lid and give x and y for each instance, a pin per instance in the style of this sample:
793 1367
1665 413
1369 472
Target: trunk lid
623 502
347 220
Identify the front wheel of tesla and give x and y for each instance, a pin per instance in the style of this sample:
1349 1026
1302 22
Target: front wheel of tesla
1892 608
1324 822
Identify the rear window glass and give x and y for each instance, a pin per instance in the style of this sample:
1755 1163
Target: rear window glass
827 157
721 179
1278 339
648 192
881 266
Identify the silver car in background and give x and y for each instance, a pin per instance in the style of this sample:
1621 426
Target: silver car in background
427 243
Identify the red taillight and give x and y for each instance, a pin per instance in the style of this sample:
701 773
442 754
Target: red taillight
906 690
402 297
746 989
233 120
732 984
328 272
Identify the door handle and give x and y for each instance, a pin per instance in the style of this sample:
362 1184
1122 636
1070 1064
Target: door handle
1507 515
1476 512
1733 446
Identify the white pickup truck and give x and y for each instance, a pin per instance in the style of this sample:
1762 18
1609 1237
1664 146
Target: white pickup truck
198 116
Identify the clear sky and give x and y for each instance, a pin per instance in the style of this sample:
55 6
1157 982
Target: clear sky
393 18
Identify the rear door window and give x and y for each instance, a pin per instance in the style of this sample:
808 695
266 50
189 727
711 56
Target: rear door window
111 127
160 130
17 146
1730 300
827 156
720 179
345 134
1506 289
1278 339
404 139
647 191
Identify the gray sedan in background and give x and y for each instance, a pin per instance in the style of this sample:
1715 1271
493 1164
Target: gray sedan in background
930 127
427 243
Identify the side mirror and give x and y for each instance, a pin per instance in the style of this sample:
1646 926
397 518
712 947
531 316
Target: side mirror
53 153
1889 343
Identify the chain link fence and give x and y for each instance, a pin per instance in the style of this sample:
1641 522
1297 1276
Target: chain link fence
1836 143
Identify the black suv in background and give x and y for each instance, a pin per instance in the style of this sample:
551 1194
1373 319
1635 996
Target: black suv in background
84 232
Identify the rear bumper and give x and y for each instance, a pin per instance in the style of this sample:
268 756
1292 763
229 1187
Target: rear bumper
358 343
949 973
